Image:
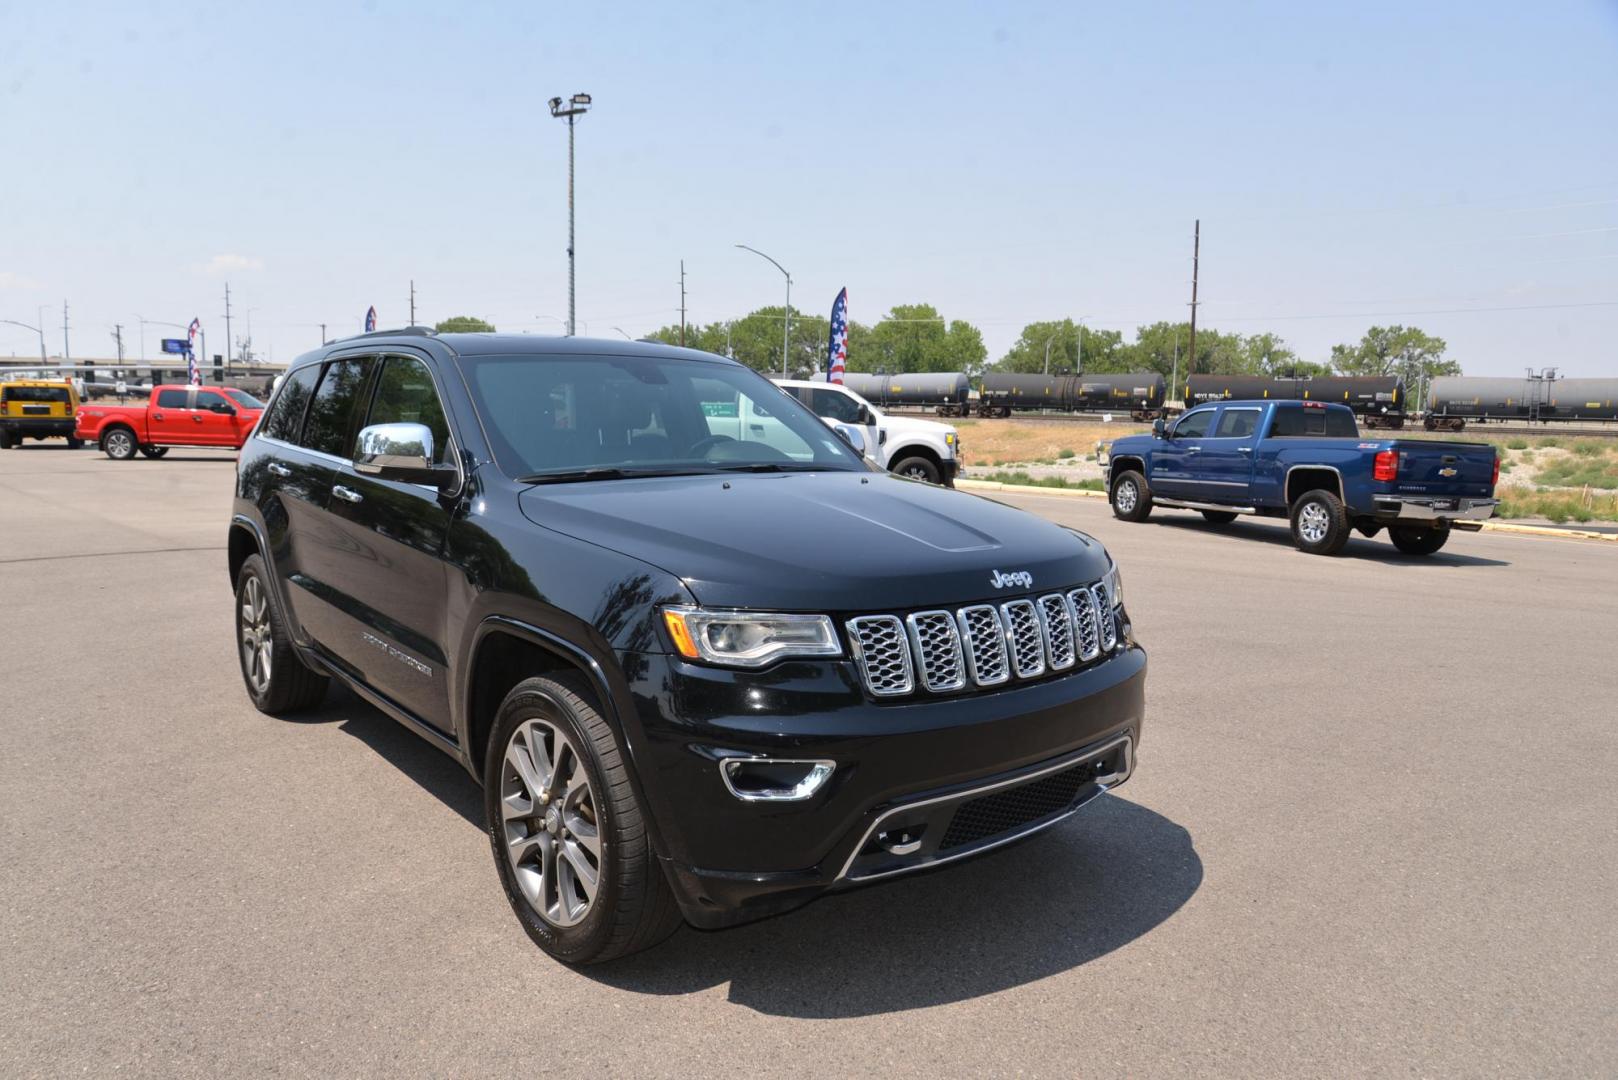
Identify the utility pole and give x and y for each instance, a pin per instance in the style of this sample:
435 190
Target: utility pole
1174 378
118 336
412 301
682 303
67 355
1196 255
572 108
323 333
228 338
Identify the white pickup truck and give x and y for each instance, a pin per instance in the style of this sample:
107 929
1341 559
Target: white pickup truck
921 449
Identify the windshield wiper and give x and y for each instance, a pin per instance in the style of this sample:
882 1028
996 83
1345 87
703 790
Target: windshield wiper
778 466
602 472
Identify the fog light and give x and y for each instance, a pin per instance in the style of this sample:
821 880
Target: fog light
755 779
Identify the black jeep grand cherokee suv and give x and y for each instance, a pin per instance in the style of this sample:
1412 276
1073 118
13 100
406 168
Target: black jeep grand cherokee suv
701 669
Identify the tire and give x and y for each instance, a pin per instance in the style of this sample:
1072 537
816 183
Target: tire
631 907
154 452
1131 498
918 468
1319 523
5 439
119 444
1419 540
74 442
1219 517
289 685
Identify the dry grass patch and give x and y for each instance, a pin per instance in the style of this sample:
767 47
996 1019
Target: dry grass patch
1001 442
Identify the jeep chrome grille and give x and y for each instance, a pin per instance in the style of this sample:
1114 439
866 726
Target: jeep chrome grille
982 644
937 648
884 657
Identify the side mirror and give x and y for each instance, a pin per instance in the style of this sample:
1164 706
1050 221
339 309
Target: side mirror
402 452
1159 429
223 407
864 416
853 437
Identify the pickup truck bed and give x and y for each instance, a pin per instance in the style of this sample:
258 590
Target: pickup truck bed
1308 462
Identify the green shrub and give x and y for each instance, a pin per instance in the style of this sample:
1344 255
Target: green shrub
1589 448
1516 444
1022 478
1549 442
1066 454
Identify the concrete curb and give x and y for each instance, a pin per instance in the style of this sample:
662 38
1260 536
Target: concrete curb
1485 526
1028 489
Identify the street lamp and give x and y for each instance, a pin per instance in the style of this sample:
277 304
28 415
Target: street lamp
786 331
1081 343
577 105
40 330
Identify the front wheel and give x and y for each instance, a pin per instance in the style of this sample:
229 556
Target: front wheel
1419 540
569 838
918 468
154 452
1218 517
1131 498
1319 523
118 444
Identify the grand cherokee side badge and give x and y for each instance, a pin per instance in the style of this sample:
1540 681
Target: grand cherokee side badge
1001 580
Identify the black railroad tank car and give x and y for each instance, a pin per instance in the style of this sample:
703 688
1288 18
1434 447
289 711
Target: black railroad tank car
946 391
1455 399
1138 393
1378 400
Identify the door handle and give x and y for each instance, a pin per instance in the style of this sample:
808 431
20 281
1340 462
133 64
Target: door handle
1244 449
196 419
347 494
157 416
279 470
1193 449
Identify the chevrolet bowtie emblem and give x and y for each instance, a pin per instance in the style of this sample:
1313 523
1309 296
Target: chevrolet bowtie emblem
1446 472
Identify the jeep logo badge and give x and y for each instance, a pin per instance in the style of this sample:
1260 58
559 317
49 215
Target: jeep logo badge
1002 580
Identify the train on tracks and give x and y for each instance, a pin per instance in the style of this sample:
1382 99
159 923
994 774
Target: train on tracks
1378 402
1455 400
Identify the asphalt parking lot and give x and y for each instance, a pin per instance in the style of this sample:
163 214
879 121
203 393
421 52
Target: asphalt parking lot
1374 831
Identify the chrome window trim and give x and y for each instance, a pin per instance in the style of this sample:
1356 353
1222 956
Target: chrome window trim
969 794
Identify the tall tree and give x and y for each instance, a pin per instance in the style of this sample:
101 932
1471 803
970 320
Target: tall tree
1407 352
1100 352
464 324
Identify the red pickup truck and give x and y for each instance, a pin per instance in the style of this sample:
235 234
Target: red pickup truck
175 416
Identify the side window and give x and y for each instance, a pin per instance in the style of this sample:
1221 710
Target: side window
1236 423
212 402
834 406
1193 425
1341 425
286 414
331 412
171 399
405 394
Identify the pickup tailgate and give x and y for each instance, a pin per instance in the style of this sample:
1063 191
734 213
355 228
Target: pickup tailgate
1430 467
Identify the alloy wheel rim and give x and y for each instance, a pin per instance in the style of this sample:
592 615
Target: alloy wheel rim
119 443
916 472
549 823
1126 496
1312 523
256 639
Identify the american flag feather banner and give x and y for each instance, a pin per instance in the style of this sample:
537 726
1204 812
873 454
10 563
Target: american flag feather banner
837 343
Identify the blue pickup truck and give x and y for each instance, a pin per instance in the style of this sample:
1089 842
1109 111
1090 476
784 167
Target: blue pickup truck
1304 460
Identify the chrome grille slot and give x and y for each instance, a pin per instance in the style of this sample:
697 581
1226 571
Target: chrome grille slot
1023 638
883 654
984 640
1108 625
1085 630
937 648
1057 625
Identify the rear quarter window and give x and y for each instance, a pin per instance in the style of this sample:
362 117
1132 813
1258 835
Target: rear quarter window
1317 423
285 418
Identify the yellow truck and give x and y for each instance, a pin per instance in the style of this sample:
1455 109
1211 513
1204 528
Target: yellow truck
38 409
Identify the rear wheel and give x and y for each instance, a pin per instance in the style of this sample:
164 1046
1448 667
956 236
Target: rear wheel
6 441
1319 523
918 468
119 444
1131 498
277 680
1419 540
1219 517
74 442
154 452
568 836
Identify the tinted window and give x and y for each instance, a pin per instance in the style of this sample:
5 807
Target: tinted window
1193 425
331 411
171 399
34 393
405 394
1236 423
244 399
1320 423
207 399
834 406
286 417
559 413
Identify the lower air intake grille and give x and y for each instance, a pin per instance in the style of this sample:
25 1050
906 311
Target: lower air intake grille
1008 810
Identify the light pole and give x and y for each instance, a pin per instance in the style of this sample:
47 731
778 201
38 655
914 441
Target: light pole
40 330
786 331
1048 353
1081 344
577 105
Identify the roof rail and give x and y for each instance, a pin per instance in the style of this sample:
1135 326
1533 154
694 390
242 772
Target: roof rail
417 331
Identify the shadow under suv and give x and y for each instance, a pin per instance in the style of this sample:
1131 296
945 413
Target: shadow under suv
704 661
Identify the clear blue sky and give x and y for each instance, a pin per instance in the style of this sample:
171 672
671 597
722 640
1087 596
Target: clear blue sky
1006 162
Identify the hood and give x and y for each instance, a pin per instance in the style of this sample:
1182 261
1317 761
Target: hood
915 425
834 541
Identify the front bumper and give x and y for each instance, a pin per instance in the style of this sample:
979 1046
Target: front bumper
900 765
1421 508
949 469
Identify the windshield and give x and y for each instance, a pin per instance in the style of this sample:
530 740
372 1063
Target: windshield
623 416
244 399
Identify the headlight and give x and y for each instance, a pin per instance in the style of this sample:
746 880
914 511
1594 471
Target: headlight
1114 584
748 638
